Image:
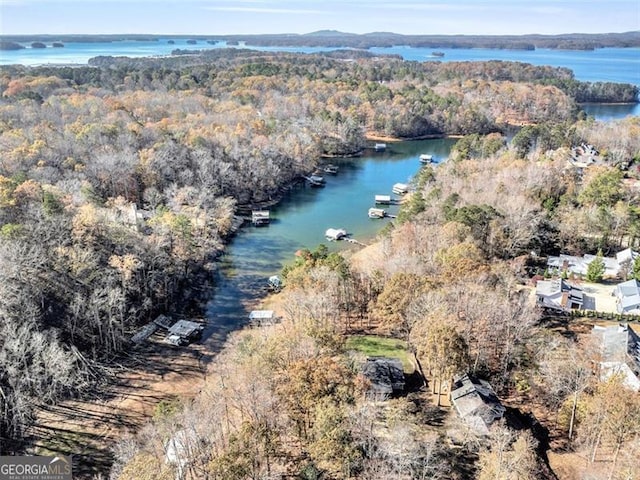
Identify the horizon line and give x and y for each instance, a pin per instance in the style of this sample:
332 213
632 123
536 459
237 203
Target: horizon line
328 31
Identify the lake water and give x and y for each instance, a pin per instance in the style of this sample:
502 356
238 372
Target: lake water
302 218
607 64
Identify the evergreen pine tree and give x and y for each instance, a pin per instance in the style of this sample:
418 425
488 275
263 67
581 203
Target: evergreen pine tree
596 269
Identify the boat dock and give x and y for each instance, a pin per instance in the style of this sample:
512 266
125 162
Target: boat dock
353 240
260 218
315 180
383 199
400 188
333 234
379 213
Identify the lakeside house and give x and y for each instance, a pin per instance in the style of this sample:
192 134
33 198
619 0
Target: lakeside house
386 376
558 294
584 156
619 354
476 403
615 267
628 297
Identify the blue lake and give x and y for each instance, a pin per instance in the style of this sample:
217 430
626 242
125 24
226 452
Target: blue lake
302 218
607 64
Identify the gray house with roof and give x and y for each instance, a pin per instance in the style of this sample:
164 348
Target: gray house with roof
476 403
386 376
558 294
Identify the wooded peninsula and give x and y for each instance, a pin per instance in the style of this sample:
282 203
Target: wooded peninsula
119 183
336 39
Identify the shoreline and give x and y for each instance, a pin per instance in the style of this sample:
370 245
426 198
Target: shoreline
375 137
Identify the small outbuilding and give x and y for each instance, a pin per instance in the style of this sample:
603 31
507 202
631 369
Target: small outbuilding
262 318
183 332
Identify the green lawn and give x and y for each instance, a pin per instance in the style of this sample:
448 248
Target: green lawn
374 346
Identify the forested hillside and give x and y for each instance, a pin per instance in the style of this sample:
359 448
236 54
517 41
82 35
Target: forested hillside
450 283
119 181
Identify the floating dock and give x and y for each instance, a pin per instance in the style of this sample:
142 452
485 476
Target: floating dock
377 213
383 199
400 188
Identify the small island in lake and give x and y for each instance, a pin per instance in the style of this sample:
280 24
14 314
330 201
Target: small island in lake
171 42
57 45
192 42
10 46
38 45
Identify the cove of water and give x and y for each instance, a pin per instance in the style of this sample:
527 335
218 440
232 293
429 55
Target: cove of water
301 219
606 112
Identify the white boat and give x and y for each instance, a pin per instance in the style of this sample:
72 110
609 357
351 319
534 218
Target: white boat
400 188
426 158
376 213
333 234
380 147
331 169
383 199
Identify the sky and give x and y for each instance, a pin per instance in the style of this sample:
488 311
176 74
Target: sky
220 17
